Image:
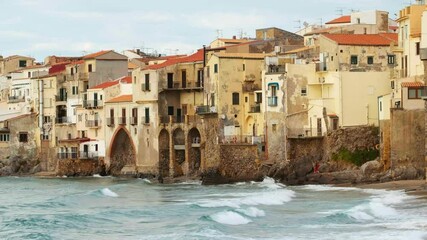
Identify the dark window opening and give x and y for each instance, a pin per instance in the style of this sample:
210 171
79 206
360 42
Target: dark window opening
370 60
23 137
236 99
353 60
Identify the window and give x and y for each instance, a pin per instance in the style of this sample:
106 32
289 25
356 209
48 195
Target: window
416 93
303 91
212 99
353 60
244 67
4 137
358 20
391 59
332 58
170 110
147 82
417 48
273 89
199 78
75 90
216 68
134 80
147 115
23 137
29 74
370 60
22 63
72 71
89 68
258 97
235 97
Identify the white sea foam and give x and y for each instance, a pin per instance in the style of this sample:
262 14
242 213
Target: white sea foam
146 180
275 197
251 212
193 182
107 192
321 188
230 218
380 206
96 176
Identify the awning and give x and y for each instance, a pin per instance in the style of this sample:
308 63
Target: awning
273 84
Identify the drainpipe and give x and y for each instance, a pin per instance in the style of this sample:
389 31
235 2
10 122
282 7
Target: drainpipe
41 95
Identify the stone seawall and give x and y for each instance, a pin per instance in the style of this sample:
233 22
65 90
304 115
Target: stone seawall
238 162
79 168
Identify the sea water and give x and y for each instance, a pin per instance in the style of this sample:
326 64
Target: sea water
112 208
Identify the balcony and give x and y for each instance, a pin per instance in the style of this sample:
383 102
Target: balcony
185 86
272 101
63 120
145 87
16 99
110 122
205 109
61 98
84 76
276 69
89 104
304 133
133 120
321 67
242 139
67 155
89 155
250 87
256 108
122 120
145 120
93 123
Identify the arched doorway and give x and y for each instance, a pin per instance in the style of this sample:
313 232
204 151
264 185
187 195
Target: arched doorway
194 154
122 152
164 153
179 152
250 126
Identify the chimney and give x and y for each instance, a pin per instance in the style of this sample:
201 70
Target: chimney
138 51
234 37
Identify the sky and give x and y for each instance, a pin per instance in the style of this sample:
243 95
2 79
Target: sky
39 28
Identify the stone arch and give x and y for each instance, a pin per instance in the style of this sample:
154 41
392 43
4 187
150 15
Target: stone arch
194 152
122 152
164 150
178 141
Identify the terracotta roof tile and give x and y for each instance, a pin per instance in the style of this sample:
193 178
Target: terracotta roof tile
342 19
97 54
363 39
104 85
242 55
132 65
412 84
122 98
196 57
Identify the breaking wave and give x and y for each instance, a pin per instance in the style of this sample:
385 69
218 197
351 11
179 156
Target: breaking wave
107 192
229 218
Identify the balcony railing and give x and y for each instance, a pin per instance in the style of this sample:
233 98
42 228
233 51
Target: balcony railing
276 69
242 139
63 120
205 109
187 86
133 120
255 108
321 67
272 101
67 155
304 132
110 122
60 98
83 76
93 123
92 103
15 99
89 155
145 87
145 120
122 120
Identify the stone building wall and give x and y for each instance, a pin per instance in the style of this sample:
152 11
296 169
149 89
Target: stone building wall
239 162
78 167
407 144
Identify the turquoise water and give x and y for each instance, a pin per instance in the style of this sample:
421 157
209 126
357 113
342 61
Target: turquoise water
111 208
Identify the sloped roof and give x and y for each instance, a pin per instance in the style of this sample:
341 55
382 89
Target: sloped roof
104 85
342 19
97 54
241 55
196 57
122 98
363 39
412 84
